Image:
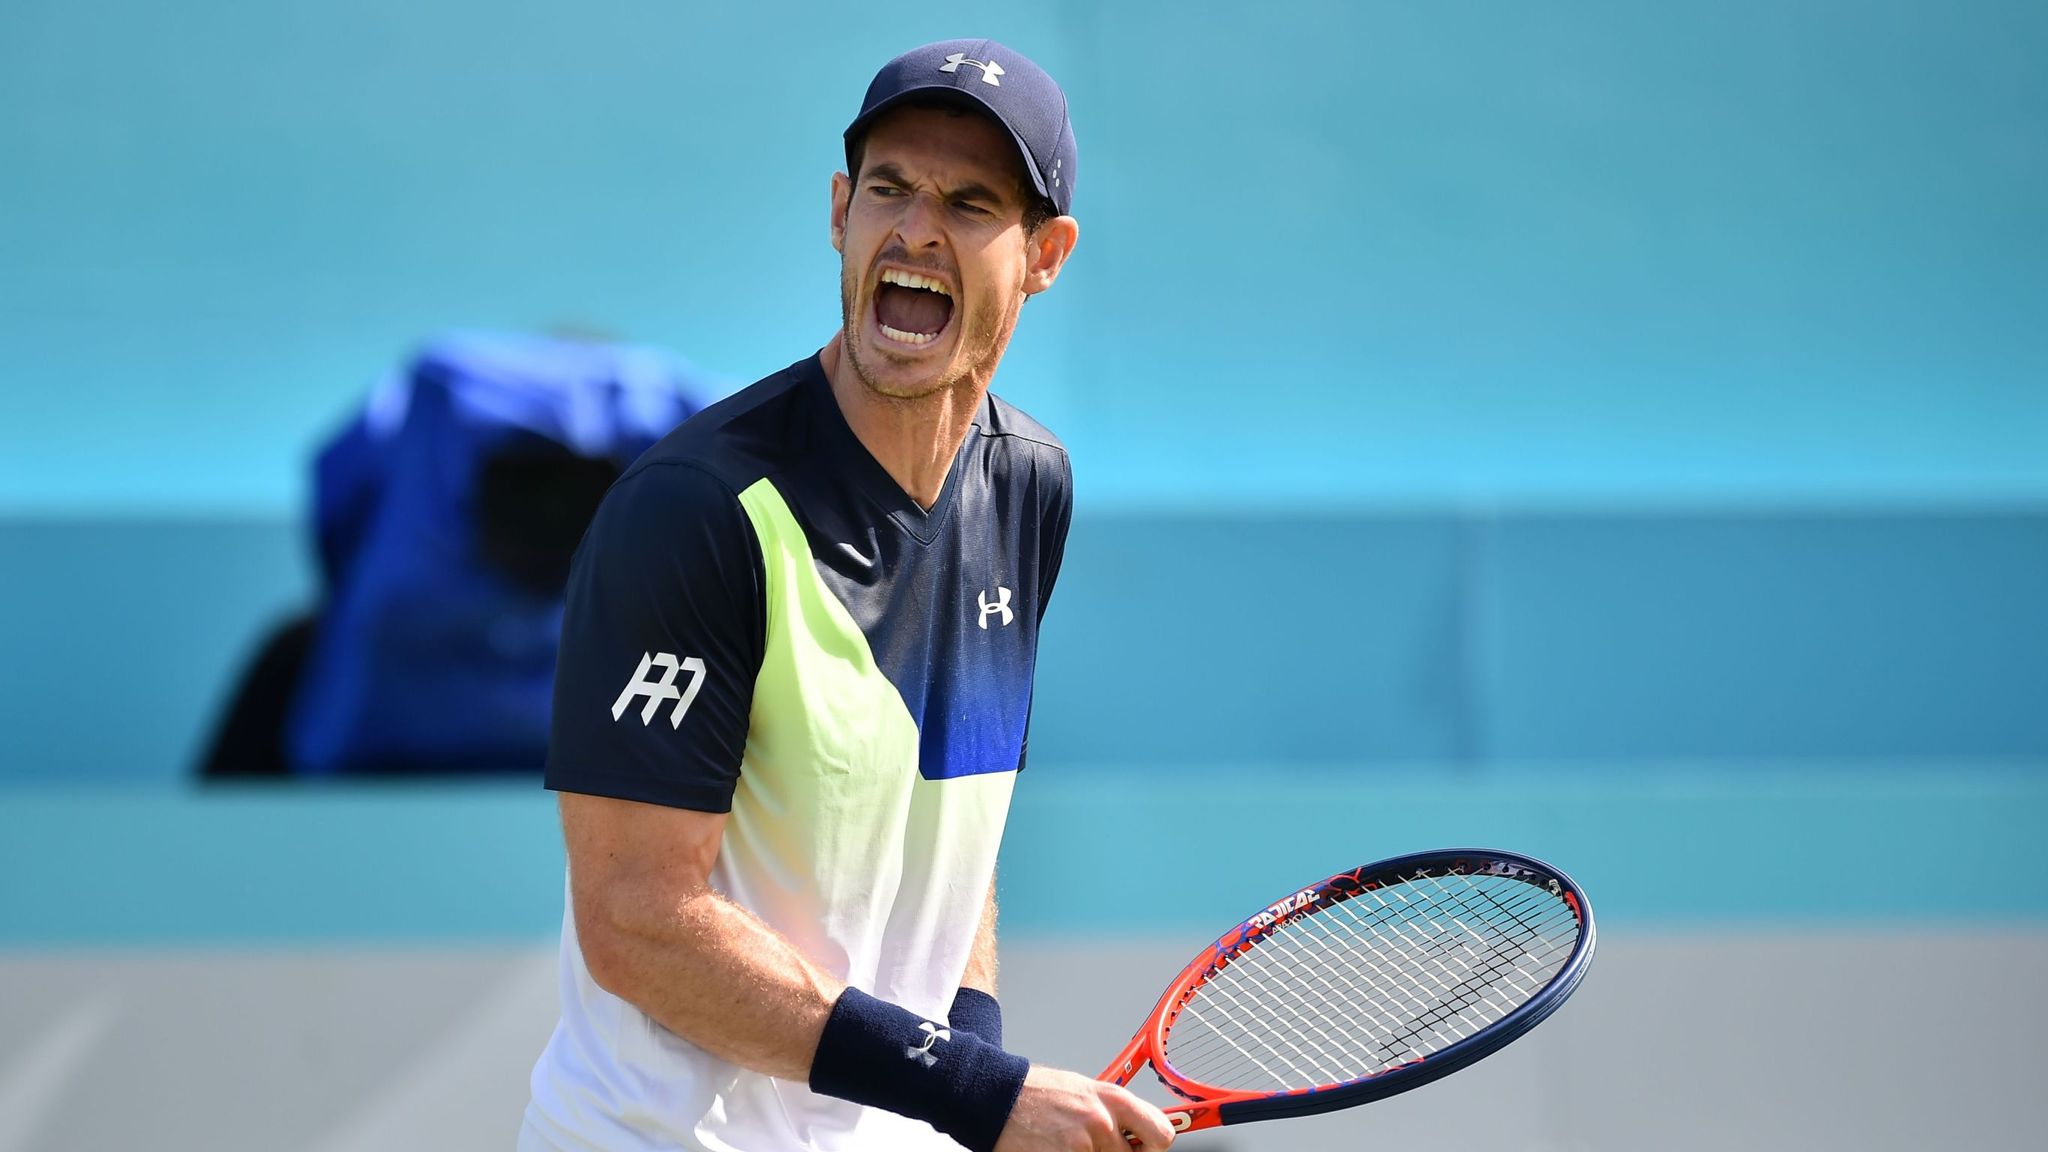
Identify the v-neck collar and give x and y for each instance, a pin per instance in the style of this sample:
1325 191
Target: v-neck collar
867 473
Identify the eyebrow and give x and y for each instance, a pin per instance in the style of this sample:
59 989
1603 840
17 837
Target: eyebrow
972 190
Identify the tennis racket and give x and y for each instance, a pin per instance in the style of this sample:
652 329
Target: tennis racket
1370 983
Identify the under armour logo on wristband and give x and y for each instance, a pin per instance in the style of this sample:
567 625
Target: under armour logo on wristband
923 1052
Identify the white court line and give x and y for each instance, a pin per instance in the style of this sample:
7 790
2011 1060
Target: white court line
31 1084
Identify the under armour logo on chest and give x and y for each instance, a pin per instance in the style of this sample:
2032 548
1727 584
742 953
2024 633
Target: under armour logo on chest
922 1053
1001 605
990 70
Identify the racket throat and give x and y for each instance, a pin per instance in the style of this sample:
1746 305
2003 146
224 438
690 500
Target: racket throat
1131 1061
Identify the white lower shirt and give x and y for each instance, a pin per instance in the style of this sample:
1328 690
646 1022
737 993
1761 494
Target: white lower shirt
612 1079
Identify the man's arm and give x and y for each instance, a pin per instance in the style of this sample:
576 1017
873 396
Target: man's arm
656 935
974 1006
981 961
670 566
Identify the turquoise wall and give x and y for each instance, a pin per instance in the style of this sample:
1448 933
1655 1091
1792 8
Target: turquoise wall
1332 253
1497 381
1381 641
1456 390
1090 851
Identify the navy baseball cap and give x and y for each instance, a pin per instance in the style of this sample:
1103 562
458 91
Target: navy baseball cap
1018 93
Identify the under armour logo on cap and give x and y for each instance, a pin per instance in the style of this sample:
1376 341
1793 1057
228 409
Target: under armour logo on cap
1016 93
990 70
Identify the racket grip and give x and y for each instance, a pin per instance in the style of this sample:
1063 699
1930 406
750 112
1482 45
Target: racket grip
1181 1121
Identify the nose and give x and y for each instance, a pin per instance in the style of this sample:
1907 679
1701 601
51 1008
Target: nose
919 225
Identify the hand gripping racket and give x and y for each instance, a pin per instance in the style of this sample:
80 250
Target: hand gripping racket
1370 983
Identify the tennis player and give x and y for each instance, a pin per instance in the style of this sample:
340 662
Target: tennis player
794 682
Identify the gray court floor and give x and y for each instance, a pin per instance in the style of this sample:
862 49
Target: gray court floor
1850 1040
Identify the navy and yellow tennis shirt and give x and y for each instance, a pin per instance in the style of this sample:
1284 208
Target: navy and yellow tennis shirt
760 621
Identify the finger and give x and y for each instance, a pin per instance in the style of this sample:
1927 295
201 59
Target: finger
1132 1143
1140 1122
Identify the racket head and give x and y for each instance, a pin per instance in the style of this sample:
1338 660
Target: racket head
1372 982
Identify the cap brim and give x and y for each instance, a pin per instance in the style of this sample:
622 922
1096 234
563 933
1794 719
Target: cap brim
968 97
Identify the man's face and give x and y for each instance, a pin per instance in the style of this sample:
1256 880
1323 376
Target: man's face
934 260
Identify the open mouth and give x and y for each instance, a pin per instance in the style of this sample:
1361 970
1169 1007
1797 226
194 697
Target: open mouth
912 309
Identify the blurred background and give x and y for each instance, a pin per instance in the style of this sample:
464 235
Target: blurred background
1612 431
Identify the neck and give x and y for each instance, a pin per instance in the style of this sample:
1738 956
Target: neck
914 440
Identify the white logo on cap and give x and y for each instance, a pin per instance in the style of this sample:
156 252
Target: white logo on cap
989 69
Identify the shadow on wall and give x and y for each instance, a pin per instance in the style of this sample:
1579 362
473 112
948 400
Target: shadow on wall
1466 637
446 514
1381 641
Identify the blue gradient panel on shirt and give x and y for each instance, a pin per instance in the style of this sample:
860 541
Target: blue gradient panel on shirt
949 598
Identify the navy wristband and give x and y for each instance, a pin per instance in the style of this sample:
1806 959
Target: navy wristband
977 1012
875 1053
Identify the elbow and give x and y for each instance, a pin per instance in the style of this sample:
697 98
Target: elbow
606 969
606 950
625 944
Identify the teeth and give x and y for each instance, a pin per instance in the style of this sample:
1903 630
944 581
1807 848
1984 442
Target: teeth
909 337
913 280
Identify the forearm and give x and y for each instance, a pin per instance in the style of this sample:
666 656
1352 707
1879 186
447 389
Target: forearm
981 959
714 974
655 934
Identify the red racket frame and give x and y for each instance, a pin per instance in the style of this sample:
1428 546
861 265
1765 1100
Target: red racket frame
1207 1106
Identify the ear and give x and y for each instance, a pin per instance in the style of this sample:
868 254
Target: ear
1046 252
842 196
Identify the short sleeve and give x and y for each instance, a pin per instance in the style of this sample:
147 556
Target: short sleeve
662 638
1056 514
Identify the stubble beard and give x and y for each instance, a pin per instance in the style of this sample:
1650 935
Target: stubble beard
978 370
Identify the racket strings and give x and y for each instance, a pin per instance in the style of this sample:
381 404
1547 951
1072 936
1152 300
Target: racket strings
1453 975
1447 946
1371 983
1336 985
1464 978
1411 995
1282 1050
1501 973
1243 1033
